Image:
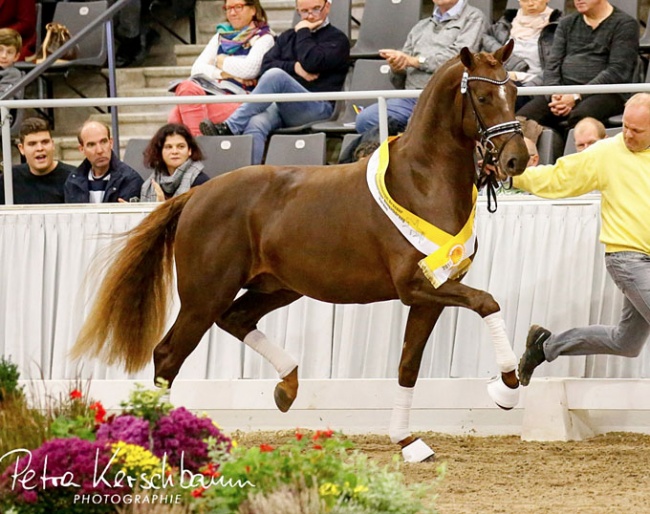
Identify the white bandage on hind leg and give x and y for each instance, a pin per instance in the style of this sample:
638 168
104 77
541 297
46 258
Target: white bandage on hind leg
400 418
281 360
506 358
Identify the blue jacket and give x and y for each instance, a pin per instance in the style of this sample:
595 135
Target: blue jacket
124 183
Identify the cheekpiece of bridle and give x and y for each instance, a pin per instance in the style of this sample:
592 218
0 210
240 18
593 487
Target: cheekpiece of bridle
489 153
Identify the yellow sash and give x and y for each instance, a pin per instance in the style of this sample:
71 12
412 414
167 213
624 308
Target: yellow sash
448 256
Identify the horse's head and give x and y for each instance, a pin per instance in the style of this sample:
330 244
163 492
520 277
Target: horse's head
489 109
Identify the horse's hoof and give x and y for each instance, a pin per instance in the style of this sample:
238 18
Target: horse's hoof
286 391
418 451
504 396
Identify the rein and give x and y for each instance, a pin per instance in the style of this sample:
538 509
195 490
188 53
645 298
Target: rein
488 150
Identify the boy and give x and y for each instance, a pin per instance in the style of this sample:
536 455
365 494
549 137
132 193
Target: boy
10 46
41 179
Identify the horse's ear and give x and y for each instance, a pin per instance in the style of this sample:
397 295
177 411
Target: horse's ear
467 58
503 53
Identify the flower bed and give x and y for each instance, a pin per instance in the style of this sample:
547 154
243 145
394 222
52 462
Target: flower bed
155 458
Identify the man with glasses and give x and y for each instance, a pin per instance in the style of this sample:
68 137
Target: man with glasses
101 177
311 57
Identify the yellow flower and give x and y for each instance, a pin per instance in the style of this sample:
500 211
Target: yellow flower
234 443
360 489
329 489
134 459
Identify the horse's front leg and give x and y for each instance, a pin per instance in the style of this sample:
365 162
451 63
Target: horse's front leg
505 390
420 323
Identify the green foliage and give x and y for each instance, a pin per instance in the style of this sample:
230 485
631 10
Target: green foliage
346 481
20 427
9 376
149 404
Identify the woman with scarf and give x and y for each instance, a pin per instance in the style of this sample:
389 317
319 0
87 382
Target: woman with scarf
532 27
176 158
234 54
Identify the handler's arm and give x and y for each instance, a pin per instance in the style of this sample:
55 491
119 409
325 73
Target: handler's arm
573 175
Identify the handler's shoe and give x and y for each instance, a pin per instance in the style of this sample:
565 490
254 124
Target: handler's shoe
534 354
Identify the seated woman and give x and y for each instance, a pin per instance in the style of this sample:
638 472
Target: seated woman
235 55
532 27
176 158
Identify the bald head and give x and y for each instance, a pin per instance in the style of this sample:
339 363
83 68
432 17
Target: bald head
636 123
587 131
96 145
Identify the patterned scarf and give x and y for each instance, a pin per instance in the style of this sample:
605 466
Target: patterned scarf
172 185
238 42
529 26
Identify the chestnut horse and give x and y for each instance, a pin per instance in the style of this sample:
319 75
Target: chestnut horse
283 232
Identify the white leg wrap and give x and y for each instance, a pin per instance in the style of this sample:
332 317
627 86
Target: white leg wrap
281 360
502 395
400 418
506 359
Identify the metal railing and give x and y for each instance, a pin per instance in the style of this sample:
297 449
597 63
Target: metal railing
380 96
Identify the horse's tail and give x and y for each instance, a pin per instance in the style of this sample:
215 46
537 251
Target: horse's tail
130 310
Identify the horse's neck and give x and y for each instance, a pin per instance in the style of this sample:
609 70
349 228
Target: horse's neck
432 165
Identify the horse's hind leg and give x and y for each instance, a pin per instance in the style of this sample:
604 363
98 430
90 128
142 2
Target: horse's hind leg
420 323
240 320
181 339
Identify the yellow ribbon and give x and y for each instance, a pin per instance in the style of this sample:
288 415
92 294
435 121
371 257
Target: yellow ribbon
452 256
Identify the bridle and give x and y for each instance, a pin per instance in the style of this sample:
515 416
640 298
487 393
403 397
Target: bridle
489 153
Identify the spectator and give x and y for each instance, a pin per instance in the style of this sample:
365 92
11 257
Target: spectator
101 177
41 179
133 33
597 45
234 54
311 57
430 43
10 46
532 27
176 158
618 168
20 15
587 131
533 154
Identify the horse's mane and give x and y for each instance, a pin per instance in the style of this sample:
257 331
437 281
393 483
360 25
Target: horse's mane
450 71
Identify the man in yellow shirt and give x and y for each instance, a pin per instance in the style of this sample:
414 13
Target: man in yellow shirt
618 167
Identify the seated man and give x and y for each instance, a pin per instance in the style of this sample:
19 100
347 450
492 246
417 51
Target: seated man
431 42
599 44
311 57
101 177
587 131
41 179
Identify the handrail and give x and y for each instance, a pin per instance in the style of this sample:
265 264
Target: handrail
41 68
381 96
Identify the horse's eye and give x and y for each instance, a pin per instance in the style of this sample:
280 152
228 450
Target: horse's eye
482 99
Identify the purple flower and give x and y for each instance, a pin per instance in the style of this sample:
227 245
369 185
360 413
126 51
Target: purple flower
125 428
70 470
183 433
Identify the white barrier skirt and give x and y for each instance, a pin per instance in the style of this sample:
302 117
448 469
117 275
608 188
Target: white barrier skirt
541 261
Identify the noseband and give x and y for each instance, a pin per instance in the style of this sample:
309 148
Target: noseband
488 149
